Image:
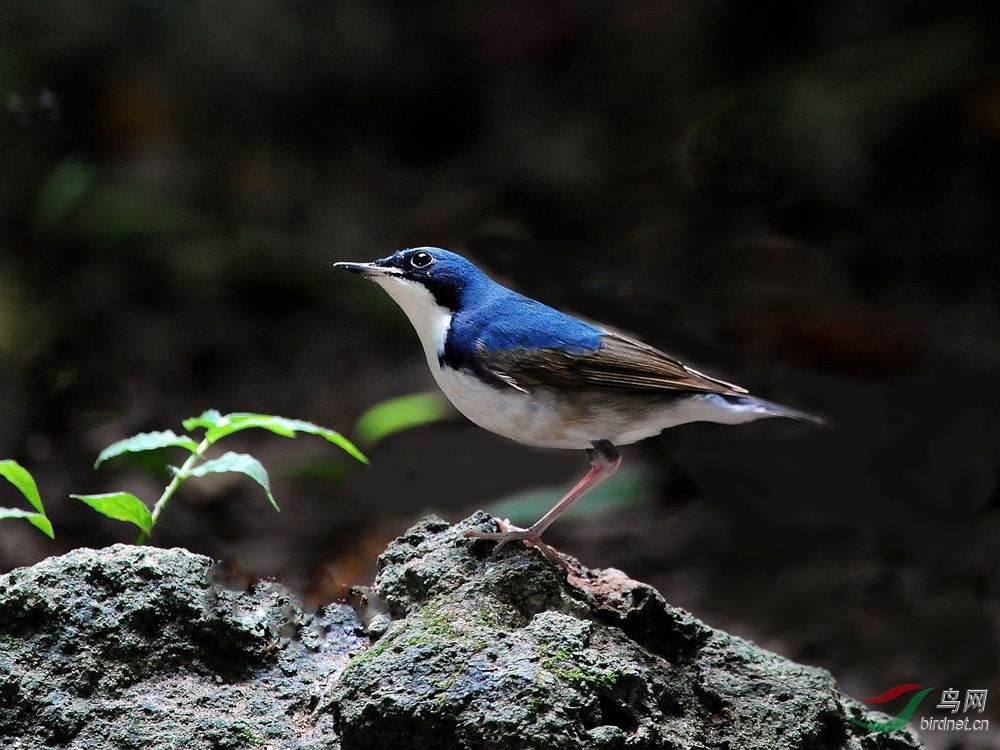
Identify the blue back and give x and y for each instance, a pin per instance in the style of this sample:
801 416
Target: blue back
502 320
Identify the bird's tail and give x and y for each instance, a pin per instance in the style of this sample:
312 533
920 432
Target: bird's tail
772 409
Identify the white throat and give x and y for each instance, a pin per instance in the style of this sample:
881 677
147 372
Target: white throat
430 320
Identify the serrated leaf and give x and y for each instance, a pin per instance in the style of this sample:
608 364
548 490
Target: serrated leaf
280 426
206 420
18 476
146 441
241 463
38 520
121 506
402 413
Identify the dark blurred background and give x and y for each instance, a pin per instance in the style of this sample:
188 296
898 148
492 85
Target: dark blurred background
801 198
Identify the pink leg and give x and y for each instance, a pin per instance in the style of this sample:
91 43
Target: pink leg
604 462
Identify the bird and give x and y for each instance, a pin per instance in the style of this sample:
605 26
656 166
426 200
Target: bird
528 372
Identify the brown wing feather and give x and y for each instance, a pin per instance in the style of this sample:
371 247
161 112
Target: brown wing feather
620 363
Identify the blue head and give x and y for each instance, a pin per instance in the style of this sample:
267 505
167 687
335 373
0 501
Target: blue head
449 278
456 308
432 286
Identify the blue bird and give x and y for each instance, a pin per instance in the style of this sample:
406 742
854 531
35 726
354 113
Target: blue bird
523 370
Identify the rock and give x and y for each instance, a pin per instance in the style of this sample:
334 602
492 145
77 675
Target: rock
136 647
132 647
506 653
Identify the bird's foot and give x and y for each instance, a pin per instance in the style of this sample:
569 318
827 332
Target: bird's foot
511 533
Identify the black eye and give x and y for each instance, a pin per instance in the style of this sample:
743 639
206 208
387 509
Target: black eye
421 259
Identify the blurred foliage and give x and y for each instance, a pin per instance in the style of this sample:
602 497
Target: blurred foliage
61 192
401 413
72 202
632 485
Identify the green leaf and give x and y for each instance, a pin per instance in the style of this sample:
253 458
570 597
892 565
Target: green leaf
43 524
244 421
241 463
146 441
18 476
207 420
283 426
121 506
402 413
38 520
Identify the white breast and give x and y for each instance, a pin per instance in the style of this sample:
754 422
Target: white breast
429 319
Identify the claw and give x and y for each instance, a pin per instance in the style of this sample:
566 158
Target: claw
531 538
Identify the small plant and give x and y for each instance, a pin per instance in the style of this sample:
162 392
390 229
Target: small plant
18 476
124 506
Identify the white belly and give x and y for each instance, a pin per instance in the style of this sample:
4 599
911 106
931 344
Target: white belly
552 420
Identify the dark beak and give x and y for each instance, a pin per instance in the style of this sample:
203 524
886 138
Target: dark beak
367 269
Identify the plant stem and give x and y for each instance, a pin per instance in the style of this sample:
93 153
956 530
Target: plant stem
179 476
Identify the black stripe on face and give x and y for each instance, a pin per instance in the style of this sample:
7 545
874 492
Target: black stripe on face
443 281
446 292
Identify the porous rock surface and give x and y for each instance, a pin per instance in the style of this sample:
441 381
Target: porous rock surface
131 647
